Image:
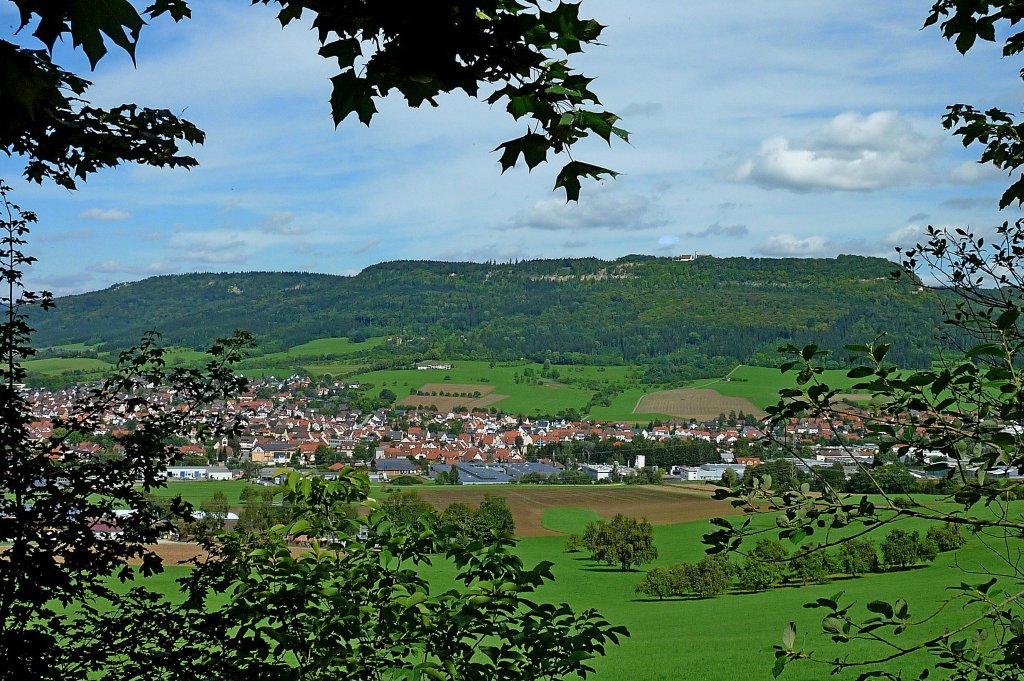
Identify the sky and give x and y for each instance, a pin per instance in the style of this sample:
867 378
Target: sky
769 129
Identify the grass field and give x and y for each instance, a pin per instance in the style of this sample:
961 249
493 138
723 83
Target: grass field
761 385
60 365
729 637
695 403
522 398
315 353
198 491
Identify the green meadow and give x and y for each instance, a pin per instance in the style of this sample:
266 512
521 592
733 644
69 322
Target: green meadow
529 396
729 637
548 397
761 385
197 491
53 366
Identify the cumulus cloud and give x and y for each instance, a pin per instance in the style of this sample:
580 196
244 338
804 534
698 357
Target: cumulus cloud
973 172
105 214
787 245
716 229
214 247
617 210
850 152
905 236
483 252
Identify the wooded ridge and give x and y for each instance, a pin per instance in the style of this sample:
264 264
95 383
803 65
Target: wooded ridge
682 319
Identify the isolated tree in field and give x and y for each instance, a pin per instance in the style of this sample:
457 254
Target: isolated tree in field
730 478
626 541
493 519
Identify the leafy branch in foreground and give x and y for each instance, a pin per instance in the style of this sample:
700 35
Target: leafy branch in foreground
518 49
345 608
53 496
963 416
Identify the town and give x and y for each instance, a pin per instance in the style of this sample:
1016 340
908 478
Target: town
301 424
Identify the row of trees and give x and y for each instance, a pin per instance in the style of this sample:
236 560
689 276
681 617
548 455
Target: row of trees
461 523
770 563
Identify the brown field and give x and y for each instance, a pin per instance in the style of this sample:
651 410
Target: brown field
694 403
662 505
486 399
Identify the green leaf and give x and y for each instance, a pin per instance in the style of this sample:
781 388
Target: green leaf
351 94
881 607
789 636
569 177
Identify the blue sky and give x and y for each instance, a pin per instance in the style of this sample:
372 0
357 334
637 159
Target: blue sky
782 128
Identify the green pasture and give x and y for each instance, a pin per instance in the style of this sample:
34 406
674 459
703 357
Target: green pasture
313 352
761 385
722 638
197 491
569 520
622 406
523 398
61 365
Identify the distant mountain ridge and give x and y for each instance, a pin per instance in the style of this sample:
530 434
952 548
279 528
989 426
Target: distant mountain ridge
657 311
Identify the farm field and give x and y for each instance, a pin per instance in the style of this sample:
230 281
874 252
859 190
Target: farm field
549 397
197 491
695 403
53 366
448 396
531 504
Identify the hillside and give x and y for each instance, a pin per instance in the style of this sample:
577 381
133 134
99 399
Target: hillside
678 318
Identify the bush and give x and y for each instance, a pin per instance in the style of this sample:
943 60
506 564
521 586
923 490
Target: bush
573 543
947 537
857 556
658 582
907 548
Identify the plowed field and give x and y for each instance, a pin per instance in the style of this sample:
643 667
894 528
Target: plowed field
694 403
662 505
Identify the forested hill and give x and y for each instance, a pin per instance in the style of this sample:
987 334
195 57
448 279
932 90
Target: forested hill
700 314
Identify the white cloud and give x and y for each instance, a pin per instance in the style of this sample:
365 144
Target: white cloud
789 246
905 236
972 172
105 214
850 152
118 267
717 229
604 208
